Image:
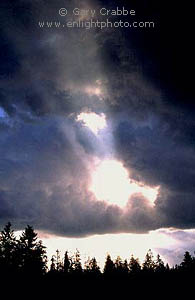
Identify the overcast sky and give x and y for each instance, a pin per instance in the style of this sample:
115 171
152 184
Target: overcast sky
139 78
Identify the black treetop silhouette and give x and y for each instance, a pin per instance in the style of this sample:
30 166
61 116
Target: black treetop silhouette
25 257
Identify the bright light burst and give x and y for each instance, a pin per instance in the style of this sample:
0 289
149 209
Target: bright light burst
93 121
110 182
93 91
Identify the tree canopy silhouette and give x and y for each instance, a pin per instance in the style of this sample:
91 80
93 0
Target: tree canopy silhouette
25 257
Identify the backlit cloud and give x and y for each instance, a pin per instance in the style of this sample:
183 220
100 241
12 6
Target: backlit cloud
71 96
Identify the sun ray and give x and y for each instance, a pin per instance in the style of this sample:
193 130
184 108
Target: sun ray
95 122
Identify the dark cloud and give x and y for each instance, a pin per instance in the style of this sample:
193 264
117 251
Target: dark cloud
158 155
147 93
44 176
45 173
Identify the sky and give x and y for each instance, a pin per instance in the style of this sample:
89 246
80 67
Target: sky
97 124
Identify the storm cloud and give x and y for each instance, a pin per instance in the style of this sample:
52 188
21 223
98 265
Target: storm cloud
46 156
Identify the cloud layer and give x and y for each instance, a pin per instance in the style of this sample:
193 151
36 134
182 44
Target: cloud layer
46 156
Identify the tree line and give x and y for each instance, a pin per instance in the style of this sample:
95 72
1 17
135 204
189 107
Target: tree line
26 257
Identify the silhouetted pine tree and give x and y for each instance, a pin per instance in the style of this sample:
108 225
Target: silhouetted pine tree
67 264
125 268
76 264
167 268
149 264
53 264
134 266
7 250
159 265
31 253
188 262
109 267
59 262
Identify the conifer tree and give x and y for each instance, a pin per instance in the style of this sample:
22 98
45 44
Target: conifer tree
188 262
159 264
134 266
109 266
7 249
53 264
67 264
31 252
77 267
149 264
118 266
